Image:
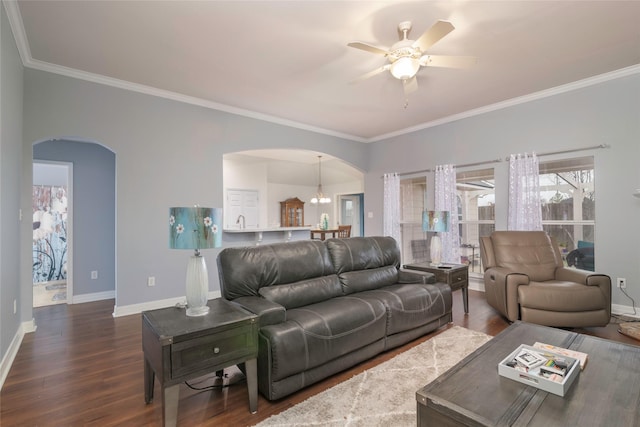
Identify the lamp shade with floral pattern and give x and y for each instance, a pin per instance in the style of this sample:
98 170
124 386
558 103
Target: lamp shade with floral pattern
195 228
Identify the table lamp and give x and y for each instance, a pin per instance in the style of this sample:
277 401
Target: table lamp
435 222
196 228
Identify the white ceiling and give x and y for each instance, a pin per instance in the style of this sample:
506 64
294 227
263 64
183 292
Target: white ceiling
288 61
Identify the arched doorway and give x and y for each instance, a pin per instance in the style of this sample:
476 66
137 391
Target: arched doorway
91 262
279 174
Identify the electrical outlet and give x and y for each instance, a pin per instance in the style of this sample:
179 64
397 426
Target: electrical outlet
622 282
94 274
151 281
15 306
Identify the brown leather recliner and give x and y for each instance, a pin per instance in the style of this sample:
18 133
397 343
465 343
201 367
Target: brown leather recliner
525 280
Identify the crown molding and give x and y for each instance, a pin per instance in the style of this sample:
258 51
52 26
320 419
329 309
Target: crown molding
17 27
590 81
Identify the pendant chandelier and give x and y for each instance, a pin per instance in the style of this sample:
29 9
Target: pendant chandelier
320 197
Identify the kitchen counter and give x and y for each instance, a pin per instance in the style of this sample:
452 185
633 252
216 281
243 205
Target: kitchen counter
270 234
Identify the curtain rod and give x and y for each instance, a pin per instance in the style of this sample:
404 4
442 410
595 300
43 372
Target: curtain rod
486 162
573 150
550 153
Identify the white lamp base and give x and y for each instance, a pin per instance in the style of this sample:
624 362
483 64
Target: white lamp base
436 250
197 286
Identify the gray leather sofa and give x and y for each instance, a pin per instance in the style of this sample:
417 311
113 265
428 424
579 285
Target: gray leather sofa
325 306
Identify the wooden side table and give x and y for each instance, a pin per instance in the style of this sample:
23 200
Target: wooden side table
178 348
454 275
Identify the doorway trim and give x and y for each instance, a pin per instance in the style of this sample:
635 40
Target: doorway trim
359 213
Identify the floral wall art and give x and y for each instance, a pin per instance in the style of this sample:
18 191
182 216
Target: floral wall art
49 204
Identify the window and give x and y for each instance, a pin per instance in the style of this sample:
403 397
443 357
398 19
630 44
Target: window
413 192
568 202
476 213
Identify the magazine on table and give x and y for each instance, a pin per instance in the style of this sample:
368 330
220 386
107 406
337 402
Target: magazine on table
582 357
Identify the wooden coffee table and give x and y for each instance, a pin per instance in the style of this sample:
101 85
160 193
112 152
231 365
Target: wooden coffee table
472 393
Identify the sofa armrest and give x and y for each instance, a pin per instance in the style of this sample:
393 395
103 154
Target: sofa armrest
415 276
269 313
501 290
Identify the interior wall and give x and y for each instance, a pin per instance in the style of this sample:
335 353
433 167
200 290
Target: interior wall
605 113
11 188
169 154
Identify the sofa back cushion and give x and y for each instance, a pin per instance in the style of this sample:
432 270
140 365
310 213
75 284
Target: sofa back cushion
528 252
304 292
243 271
364 263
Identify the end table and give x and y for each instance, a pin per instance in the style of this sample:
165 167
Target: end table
454 275
178 348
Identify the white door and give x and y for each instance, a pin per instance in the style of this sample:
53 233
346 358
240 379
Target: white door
351 213
242 203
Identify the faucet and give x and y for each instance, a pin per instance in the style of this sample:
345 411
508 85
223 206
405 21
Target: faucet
242 226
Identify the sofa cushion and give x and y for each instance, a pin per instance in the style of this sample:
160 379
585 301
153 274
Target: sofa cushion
304 292
555 295
410 306
315 334
243 271
364 280
362 253
526 252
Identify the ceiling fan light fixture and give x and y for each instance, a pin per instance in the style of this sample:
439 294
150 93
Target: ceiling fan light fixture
405 68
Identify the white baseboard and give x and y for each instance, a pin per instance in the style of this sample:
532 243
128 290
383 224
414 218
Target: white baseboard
625 310
14 346
96 296
127 310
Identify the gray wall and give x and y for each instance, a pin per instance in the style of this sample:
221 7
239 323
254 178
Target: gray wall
606 113
10 177
93 219
167 154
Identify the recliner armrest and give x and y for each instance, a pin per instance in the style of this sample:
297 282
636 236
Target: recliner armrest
270 313
502 291
588 278
415 276
582 276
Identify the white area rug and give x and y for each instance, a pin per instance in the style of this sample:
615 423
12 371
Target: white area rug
386 394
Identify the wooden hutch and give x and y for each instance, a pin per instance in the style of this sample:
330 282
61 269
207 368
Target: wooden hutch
292 213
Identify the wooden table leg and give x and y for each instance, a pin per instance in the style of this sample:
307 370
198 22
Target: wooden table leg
251 368
149 377
170 397
465 298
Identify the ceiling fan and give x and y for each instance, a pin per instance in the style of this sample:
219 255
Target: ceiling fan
407 56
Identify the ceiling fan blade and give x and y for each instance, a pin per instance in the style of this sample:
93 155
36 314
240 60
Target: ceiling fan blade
370 74
410 85
369 48
433 34
448 61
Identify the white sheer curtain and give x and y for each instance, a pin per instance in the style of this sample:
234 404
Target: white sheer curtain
524 193
391 213
446 200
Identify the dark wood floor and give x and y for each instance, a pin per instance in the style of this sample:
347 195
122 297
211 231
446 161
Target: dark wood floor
82 367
